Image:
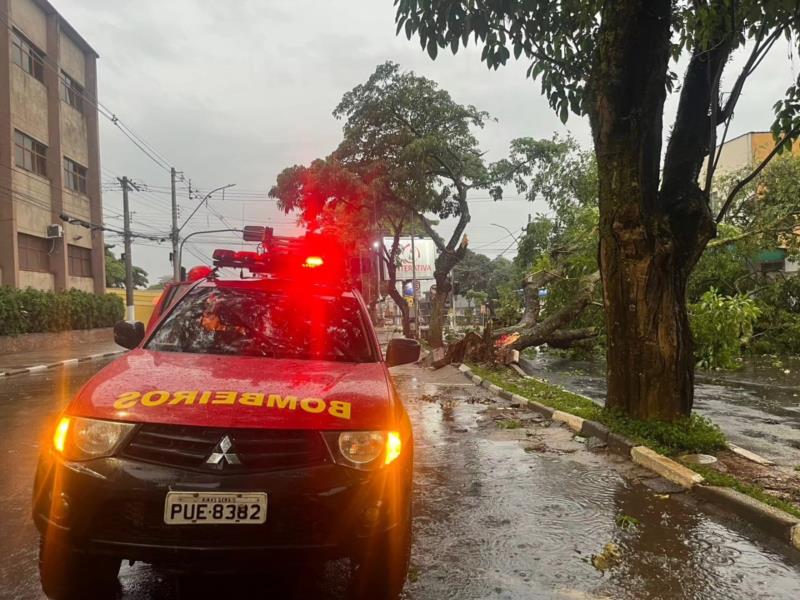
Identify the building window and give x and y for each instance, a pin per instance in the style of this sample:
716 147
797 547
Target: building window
74 176
30 154
27 56
71 92
33 253
80 261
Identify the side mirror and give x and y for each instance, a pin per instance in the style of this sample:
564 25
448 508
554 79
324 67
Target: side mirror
128 335
402 351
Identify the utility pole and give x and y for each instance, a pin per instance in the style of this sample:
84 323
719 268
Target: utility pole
130 312
414 282
453 319
176 267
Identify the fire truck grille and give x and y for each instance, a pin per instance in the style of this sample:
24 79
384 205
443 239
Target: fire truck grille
255 449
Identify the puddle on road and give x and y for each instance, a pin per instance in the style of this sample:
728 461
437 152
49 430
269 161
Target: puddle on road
495 521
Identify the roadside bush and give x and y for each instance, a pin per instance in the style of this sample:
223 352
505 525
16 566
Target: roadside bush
777 330
721 325
35 311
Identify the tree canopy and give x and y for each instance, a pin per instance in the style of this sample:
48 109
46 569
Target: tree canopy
613 61
115 272
408 150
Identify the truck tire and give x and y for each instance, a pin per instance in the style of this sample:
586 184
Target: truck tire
67 575
381 574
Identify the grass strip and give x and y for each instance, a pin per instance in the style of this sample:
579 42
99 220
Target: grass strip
695 434
714 477
692 434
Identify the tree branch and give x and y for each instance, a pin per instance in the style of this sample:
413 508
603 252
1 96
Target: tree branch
567 337
790 135
771 227
688 145
759 52
531 336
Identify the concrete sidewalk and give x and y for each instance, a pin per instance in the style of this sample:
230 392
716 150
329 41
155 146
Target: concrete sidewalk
39 360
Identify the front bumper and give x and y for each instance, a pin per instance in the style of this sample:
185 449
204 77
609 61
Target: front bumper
114 506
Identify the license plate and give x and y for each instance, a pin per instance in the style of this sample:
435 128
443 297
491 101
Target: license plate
209 508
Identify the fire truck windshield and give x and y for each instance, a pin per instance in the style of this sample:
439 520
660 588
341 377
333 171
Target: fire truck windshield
252 322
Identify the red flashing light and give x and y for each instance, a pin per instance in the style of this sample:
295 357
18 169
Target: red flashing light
312 262
225 256
199 272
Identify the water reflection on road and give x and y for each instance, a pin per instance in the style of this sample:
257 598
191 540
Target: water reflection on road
758 406
495 521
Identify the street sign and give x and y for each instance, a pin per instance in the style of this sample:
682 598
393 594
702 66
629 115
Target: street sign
424 261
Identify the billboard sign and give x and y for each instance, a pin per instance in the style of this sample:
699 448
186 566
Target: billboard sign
425 251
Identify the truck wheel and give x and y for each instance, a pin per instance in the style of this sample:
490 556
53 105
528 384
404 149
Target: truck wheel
381 573
67 575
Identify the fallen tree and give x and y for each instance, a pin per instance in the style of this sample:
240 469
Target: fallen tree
554 330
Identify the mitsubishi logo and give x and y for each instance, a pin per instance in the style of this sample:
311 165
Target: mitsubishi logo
223 453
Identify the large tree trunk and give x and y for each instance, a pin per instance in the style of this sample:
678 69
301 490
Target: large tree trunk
438 311
404 310
649 240
649 343
391 286
445 263
449 256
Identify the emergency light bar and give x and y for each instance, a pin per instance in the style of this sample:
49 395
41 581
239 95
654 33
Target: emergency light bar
236 260
311 258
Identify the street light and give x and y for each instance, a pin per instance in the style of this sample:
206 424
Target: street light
199 204
511 233
177 258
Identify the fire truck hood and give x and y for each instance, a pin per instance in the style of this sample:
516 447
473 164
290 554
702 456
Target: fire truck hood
233 391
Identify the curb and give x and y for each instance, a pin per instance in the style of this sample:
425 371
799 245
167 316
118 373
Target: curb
575 423
752 456
770 519
666 467
61 363
776 522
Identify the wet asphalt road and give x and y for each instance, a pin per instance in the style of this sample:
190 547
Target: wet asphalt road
506 506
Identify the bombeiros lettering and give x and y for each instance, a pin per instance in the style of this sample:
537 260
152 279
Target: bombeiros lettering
249 399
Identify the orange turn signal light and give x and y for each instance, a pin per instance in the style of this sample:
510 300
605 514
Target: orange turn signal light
393 446
60 435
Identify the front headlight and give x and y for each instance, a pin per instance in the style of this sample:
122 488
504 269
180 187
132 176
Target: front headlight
361 447
77 438
364 450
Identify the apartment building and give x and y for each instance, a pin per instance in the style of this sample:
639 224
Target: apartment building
49 161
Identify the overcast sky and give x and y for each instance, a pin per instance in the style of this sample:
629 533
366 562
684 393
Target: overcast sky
234 91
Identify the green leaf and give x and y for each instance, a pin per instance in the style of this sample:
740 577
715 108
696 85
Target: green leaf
433 49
